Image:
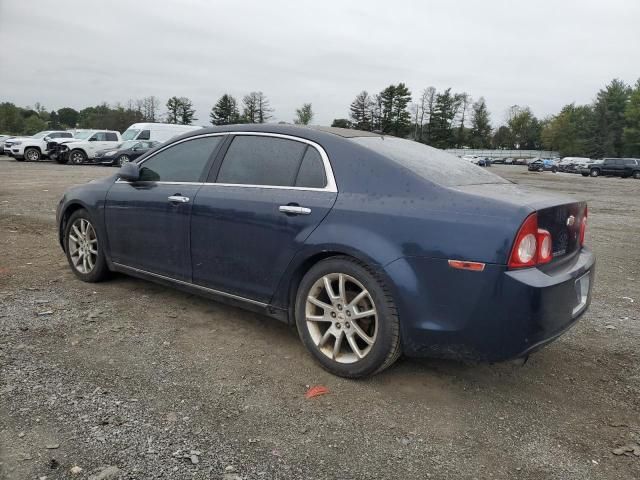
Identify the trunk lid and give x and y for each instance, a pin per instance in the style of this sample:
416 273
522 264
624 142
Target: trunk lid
560 214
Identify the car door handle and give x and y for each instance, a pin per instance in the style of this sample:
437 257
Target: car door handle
178 199
294 210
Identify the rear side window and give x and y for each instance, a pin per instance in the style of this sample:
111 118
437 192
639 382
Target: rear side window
183 162
311 173
112 137
144 135
257 160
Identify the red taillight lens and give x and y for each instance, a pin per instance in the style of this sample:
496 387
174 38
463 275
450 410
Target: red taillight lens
583 226
523 253
533 245
545 251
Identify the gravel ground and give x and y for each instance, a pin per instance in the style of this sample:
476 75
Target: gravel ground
156 383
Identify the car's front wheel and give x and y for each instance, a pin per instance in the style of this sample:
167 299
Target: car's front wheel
77 157
122 159
636 175
594 172
84 249
32 154
347 319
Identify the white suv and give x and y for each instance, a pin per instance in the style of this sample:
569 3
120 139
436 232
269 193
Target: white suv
34 148
85 145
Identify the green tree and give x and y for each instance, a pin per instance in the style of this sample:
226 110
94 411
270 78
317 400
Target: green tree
480 134
502 138
395 117
256 108
361 111
341 123
609 118
68 117
445 109
304 115
11 119
54 121
570 132
225 111
631 135
525 128
34 124
173 110
186 112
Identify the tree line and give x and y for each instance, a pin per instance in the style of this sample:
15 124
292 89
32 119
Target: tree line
254 108
608 126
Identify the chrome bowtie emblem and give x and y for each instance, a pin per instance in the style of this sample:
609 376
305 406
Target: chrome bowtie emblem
571 221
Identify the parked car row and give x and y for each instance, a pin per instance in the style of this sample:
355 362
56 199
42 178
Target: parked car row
613 167
106 147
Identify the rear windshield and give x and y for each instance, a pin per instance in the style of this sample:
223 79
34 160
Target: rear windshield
429 163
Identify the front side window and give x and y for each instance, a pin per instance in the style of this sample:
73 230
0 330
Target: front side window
183 162
144 135
98 137
261 160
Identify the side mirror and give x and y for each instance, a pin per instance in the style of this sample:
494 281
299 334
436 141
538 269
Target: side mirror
129 172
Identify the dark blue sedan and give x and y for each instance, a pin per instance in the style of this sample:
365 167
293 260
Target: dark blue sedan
371 245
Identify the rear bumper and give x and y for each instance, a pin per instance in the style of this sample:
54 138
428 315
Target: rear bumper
494 315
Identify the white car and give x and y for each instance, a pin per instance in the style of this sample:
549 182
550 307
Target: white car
33 148
85 144
159 132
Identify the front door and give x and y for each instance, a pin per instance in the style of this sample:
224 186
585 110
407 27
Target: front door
148 221
269 194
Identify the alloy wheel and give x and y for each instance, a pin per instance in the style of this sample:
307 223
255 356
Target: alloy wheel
77 157
83 245
341 318
122 159
32 155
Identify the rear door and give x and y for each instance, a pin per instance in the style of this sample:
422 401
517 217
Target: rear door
260 203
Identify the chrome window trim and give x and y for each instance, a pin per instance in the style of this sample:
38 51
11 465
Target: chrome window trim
331 185
189 284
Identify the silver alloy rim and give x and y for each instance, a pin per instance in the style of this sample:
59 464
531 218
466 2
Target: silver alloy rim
77 157
122 160
32 155
83 246
341 318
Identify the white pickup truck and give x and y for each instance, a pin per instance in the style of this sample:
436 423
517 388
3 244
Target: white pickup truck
84 145
33 148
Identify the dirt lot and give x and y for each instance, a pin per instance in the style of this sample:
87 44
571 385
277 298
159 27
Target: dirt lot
161 384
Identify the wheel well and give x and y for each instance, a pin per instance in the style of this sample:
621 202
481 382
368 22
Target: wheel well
74 207
33 146
301 271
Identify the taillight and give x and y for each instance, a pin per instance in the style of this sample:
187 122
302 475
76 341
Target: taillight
533 245
583 226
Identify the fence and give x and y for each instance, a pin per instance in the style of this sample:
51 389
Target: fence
504 153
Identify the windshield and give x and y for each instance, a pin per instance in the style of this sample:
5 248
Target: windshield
129 144
41 134
428 162
130 134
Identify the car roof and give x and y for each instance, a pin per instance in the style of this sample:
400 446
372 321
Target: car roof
314 133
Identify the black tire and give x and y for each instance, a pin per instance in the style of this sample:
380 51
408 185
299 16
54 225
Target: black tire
18 159
594 172
77 157
636 174
122 159
541 169
99 271
385 349
62 159
585 174
554 170
32 154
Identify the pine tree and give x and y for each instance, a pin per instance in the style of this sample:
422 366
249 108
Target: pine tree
480 125
173 110
609 117
186 112
361 111
225 111
631 135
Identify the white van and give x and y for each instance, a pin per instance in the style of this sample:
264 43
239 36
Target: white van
160 132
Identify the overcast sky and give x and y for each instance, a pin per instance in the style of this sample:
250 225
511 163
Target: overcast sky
542 53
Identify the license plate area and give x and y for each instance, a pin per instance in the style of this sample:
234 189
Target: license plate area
582 292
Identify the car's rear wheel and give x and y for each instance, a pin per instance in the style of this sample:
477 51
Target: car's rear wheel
122 159
347 319
554 170
636 175
594 172
84 249
541 169
32 154
77 157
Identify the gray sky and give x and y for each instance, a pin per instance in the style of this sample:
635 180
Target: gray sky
543 54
